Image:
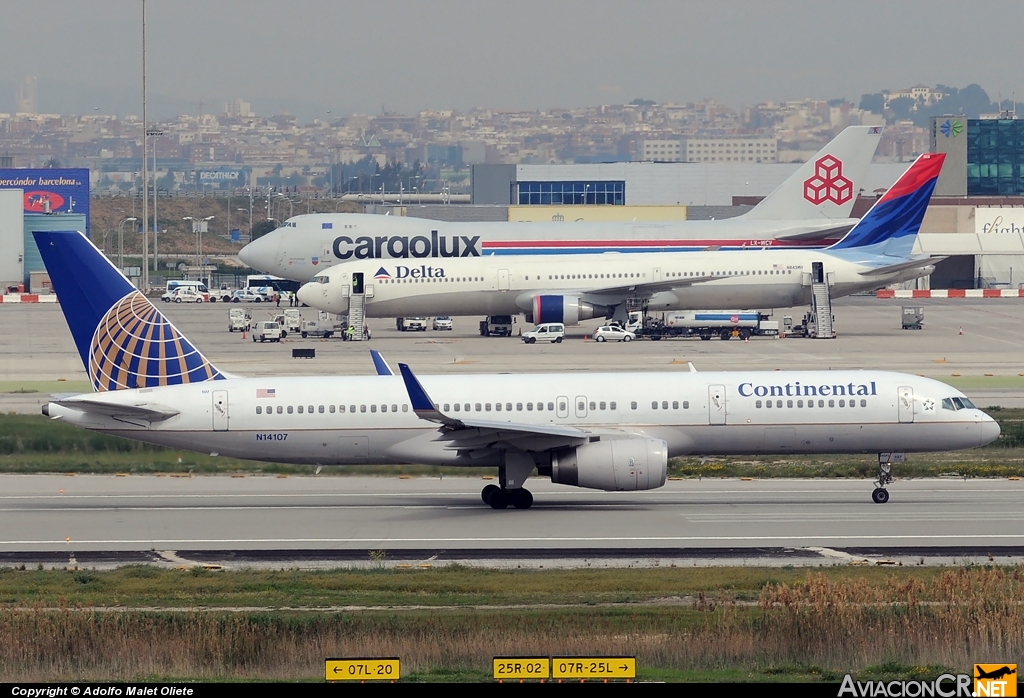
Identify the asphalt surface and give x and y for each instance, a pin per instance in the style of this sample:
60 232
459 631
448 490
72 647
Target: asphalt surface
272 521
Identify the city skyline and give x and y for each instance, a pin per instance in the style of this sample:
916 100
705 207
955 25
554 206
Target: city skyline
317 59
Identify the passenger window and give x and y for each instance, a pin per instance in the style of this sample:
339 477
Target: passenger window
320 409
821 403
487 407
447 407
768 403
497 407
632 405
831 403
799 403
352 409
290 410
310 410
405 408
551 407
540 406
664 404
842 403
259 410
331 409
757 404
300 409
373 408
593 406
478 407
362 408
529 407
384 408
675 404
611 405
863 403
778 403
580 406
789 403
280 409
602 406
654 404
457 407
686 404
466 406
519 407
508 406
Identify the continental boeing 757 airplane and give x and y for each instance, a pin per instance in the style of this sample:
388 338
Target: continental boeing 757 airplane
571 288
813 205
609 431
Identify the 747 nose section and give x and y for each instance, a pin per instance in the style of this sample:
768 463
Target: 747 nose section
261 253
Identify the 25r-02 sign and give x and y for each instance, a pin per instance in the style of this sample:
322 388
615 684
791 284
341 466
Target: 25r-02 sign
362 669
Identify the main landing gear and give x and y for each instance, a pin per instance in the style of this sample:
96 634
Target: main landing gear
880 494
501 498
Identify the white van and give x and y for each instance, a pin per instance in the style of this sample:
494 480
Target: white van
548 332
266 331
194 288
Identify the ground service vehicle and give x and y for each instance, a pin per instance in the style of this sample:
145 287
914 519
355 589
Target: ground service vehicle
245 295
325 326
412 324
267 331
552 332
189 295
496 326
292 320
239 319
612 333
913 317
442 322
724 324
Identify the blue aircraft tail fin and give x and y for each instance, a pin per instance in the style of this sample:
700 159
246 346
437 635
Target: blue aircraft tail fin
891 226
124 341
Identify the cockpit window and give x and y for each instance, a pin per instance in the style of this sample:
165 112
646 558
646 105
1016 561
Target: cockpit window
957 403
322 279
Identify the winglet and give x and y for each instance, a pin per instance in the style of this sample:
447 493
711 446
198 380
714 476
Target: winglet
422 405
380 364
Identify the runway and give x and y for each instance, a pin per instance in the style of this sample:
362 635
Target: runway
325 521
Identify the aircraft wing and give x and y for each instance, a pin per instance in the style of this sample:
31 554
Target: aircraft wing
471 434
141 411
911 264
653 287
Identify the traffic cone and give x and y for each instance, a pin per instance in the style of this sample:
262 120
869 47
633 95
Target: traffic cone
243 334
961 330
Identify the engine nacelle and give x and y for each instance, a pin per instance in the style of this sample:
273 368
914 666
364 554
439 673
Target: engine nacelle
568 310
616 464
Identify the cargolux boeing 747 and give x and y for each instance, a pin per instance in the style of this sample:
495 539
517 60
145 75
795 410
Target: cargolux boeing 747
812 206
610 431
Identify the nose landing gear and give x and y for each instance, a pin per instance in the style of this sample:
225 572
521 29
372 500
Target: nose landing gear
881 495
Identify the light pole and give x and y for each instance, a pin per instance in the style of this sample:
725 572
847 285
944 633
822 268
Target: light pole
197 227
120 238
156 224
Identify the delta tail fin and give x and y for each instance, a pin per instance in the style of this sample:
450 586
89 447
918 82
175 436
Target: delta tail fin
826 186
124 341
890 228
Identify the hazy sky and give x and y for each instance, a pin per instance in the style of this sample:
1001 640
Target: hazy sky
308 56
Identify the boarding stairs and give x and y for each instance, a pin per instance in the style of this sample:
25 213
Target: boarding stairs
821 309
356 315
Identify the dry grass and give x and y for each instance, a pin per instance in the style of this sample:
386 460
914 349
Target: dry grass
950 619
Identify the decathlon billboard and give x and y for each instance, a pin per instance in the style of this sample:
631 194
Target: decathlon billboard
222 177
50 190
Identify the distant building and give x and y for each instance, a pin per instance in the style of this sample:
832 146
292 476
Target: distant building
731 149
658 150
25 99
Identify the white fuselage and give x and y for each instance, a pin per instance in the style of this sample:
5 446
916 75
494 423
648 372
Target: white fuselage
508 285
306 245
349 420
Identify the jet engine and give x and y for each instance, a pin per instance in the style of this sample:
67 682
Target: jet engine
616 464
568 310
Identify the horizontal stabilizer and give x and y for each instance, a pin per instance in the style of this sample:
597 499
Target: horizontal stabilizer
142 411
910 264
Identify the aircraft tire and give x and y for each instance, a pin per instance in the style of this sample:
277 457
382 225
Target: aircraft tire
486 493
499 499
521 499
880 495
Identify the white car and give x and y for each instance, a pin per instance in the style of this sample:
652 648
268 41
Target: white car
244 295
548 332
442 322
188 295
607 333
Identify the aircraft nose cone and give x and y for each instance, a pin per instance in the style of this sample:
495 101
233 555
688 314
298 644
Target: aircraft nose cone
260 253
989 430
312 295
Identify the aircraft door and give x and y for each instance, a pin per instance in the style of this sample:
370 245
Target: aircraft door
906 404
503 279
656 275
358 287
563 407
581 405
220 410
817 272
716 404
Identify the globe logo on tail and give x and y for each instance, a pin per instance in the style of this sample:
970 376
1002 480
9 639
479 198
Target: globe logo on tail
134 346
